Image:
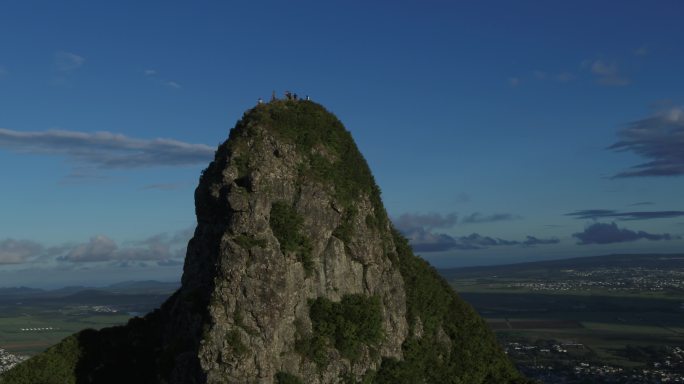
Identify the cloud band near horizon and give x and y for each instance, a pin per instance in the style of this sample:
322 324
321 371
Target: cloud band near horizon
422 240
164 248
594 214
604 233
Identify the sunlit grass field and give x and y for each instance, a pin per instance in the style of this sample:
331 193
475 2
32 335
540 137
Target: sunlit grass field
62 323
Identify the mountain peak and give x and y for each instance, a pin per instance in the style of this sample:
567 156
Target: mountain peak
294 275
327 152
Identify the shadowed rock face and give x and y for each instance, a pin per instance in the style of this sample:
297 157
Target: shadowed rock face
294 274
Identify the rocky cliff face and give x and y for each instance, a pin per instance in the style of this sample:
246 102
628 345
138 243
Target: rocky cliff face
294 275
283 235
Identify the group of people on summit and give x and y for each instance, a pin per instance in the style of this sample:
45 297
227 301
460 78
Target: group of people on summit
288 96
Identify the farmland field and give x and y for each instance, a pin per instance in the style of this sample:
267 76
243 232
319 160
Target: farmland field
597 316
33 321
35 329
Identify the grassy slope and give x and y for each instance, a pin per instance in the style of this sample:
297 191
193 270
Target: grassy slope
472 356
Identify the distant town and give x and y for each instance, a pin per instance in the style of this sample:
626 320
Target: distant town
607 319
612 279
551 362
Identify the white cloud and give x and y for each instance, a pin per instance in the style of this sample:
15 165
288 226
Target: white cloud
478 218
166 248
99 248
513 81
161 247
602 68
606 72
659 139
152 73
423 240
105 149
67 61
408 221
173 84
18 251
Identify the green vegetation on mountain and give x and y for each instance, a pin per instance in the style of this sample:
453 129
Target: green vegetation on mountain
331 155
248 242
123 354
347 326
234 341
286 378
56 365
448 342
286 225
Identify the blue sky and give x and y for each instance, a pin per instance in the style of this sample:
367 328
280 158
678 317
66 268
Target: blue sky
498 131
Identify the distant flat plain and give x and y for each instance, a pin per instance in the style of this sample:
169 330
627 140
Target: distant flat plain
33 320
595 306
602 303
